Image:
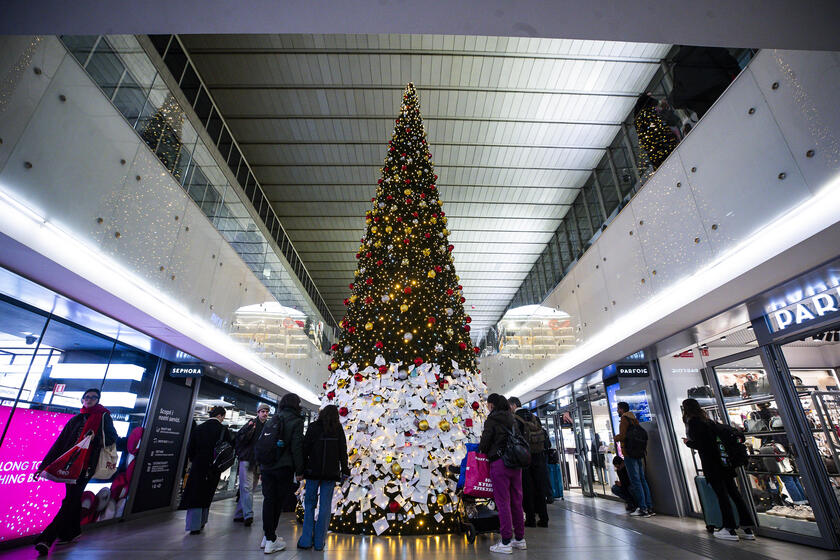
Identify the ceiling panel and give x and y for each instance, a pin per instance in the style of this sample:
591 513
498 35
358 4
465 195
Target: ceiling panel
515 125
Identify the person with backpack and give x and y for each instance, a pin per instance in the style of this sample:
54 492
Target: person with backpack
536 474
633 439
507 481
246 439
204 477
720 455
279 452
621 488
325 456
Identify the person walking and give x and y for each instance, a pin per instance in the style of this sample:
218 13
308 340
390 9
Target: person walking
702 436
325 456
279 451
633 440
246 438
507 482
535 475
203 479
93 417
621 488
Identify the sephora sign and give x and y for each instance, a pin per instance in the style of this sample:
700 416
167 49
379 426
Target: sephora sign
808 308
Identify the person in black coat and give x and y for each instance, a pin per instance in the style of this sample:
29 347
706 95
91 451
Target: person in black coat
535 475
66 526
203 480
702 436
325 452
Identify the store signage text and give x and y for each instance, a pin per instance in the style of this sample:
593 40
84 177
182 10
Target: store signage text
635 370
186 370
814 307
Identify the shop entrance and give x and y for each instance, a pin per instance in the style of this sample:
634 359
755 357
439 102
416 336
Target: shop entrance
786 416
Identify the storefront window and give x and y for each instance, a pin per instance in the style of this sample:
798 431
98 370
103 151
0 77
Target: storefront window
813 364
46 364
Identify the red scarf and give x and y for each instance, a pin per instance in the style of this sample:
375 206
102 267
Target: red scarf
94 419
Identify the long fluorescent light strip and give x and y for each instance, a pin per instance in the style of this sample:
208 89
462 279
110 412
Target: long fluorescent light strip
96 371
798 224
56 244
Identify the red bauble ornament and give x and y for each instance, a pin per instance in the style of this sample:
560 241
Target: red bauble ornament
435 177
383 369
468 422
346 301
475 405
394 507
379 262
428 235
325 385
368 254
460 287
407 290
334 347
432 187
463 300
378 345
468 319
422 195
331 395
351 330
431 320
379 182
476 349
368 300
467 328
462 345
415 214
358 377
368 280
358 255
389 197
449 292
406 241
438 268
351 286
376 218
418 361
403 168
399 218
408 201
343 411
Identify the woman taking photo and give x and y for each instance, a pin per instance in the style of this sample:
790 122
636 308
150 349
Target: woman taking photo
325 452
507 482
703 437
93 417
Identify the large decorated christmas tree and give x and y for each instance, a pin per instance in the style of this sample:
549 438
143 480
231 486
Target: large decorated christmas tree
404 370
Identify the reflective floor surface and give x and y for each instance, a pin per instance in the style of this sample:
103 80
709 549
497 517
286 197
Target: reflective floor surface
581 528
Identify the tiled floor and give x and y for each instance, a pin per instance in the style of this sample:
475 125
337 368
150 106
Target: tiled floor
581 528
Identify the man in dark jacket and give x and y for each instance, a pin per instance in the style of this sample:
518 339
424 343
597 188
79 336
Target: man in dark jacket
66 526
535 475
246 438
635 465
621 488
280 478
203 479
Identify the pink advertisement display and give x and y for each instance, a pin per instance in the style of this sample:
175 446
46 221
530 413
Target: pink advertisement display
27 506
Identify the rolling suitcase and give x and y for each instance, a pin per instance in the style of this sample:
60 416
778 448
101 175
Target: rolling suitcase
556 479
711 506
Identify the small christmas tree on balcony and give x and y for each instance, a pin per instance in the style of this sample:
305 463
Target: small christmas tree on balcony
404 370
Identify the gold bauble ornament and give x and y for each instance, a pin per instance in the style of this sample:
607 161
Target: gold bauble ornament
368 326
459 402
374 229
456 419
333 366
407 230
440 203
407 192
423 425
388 229
441 499
342 383
354 297
396 468
432 274
433 220
403 308
443 425
426 252
388 459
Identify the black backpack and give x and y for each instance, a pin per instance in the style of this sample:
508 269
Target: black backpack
517 452
223 454
266 451
733 452
635 443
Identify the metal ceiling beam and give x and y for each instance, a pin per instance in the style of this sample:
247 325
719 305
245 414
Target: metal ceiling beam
437 165
233 51
438 185
380 87
390 119
437 144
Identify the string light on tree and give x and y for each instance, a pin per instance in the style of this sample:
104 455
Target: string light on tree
406 366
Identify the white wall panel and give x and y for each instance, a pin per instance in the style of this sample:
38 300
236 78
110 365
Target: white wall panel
735 175
23 88
667 205
804 104
623 263
592 292
192 261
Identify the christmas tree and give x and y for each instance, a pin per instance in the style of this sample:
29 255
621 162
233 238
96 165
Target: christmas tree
656 139
404 370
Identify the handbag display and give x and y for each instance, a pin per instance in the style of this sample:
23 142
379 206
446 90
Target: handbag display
754 423
775 461
106 466
477 481
701 392
730 390
761 386
776 423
